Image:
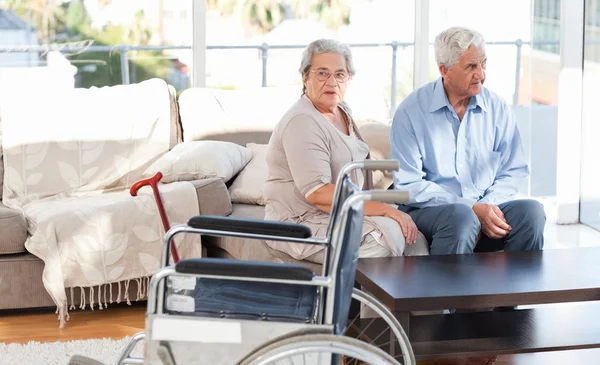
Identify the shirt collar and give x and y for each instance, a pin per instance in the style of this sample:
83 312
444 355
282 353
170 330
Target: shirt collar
477 101
440 99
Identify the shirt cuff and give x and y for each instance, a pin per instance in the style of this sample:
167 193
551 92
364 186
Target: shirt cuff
313 190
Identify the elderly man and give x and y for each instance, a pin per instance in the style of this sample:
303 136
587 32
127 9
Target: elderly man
461 157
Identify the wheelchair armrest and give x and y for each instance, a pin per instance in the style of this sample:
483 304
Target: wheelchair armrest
242 268
243 225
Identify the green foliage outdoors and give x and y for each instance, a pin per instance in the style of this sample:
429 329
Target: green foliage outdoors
72 21
148 64
264 15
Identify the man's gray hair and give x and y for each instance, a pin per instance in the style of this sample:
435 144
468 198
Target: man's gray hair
325 46
453 42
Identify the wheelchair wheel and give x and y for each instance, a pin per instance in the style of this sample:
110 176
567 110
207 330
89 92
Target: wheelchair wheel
319 349
83 360
376 325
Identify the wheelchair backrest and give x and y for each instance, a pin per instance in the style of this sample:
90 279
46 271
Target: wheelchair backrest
347 233
345 190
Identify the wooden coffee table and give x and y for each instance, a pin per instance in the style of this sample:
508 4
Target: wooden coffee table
498 279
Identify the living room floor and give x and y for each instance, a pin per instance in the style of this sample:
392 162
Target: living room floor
120 321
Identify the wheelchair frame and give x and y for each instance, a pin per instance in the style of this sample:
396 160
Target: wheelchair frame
283 333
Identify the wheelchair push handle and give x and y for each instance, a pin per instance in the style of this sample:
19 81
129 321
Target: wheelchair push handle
384 165
388 196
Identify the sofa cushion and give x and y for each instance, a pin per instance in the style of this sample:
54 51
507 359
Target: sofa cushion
247 186
14 231
213 198
377 137
258 250
199 160
245 116
239 116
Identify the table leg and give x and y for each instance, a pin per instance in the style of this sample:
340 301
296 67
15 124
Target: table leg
404 319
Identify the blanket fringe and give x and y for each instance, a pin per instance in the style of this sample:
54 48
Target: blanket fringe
100 296
127 292
63 314
92 297
143 285
72 306
119 296
82 299
104 292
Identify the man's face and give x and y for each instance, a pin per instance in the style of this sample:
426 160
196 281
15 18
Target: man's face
467 76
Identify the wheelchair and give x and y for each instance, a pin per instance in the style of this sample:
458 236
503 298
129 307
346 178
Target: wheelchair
224 311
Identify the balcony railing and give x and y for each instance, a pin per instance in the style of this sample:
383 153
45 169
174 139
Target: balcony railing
264 48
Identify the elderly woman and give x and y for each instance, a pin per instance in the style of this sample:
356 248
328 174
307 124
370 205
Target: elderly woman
307 150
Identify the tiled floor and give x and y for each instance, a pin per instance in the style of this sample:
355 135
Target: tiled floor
558 236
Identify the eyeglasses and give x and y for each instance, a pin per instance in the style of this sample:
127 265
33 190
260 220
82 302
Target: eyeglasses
324 75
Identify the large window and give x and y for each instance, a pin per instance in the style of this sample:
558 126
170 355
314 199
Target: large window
523 76
256 43
504 49
590 148
546 27
84 43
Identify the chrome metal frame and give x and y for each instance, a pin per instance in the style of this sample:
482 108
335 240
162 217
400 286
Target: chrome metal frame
374 304
329 344
336 224
327 280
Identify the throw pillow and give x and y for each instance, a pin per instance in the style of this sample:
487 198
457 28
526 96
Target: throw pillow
377 137
247 187
200 160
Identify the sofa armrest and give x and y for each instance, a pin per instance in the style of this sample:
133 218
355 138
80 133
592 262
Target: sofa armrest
213 197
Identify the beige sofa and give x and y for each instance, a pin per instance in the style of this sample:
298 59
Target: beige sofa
21 272
226 182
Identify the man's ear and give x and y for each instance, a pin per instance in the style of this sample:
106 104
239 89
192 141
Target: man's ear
443 70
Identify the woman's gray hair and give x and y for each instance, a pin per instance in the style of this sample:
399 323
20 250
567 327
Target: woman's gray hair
453 42
325 46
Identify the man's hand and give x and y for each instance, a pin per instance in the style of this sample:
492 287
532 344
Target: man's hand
492 220
409 228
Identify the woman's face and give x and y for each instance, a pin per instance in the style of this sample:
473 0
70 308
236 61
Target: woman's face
323 85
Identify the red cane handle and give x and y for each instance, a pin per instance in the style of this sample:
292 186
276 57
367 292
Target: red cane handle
153 182
150 181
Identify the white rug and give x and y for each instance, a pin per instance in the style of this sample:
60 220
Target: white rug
59 353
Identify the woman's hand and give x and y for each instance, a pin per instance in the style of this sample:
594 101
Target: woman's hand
409 228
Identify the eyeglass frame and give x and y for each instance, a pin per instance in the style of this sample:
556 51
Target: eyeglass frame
330 74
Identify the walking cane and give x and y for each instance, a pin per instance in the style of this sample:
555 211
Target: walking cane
153 182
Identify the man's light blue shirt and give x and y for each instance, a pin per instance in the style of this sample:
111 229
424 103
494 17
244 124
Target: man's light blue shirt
444 160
